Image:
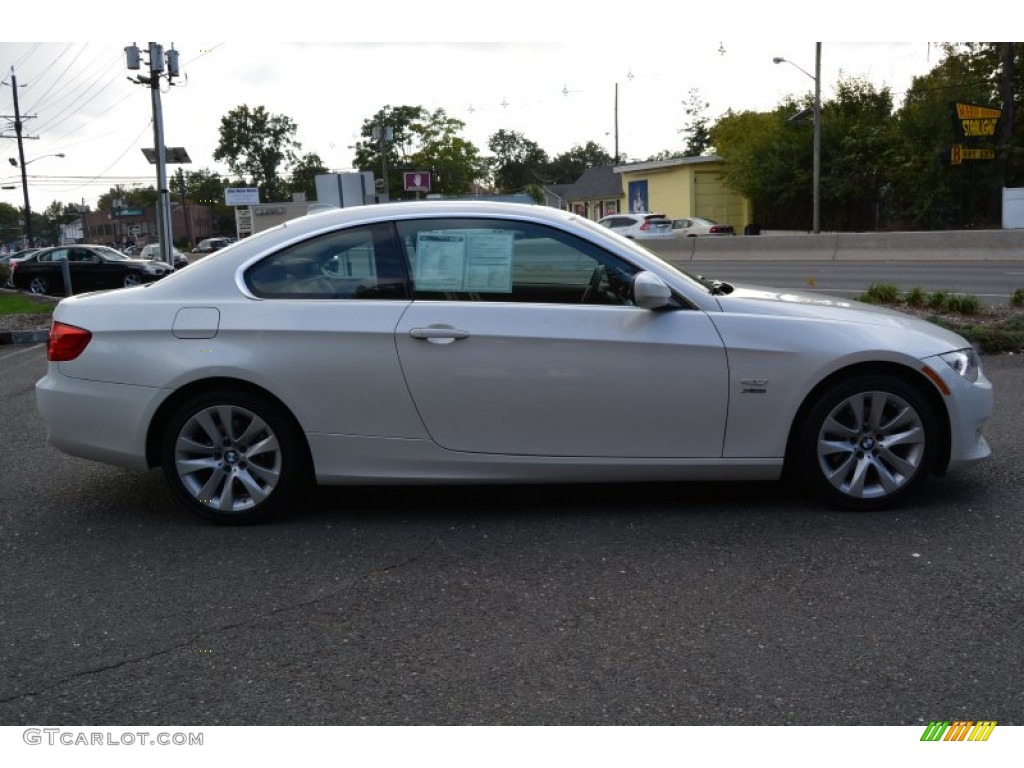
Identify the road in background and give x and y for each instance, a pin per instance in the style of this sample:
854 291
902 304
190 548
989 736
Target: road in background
992 282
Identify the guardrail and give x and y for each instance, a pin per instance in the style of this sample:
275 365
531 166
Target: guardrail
959 245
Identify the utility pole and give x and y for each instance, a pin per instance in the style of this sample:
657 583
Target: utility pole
184 206
21 157
156 70
616 124
383 134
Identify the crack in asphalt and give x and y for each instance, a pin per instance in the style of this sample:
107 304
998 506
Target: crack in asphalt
194 639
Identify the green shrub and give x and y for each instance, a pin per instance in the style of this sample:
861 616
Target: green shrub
965 305
915 297
993 340
1017 298
937 300
881 293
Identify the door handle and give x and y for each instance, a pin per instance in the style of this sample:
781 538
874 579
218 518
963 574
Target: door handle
438 333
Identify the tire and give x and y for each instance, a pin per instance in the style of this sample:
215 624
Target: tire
38 285
867 442
232 457
131 279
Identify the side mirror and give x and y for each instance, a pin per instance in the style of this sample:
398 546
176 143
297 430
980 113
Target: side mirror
650 292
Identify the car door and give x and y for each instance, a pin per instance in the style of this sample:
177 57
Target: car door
523 339
87 273
324 331
50 266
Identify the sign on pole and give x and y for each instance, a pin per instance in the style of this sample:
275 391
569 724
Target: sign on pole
417 181
241 195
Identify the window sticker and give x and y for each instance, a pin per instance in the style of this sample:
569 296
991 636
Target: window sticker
464 260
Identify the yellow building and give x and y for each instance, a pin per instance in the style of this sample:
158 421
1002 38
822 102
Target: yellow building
683 187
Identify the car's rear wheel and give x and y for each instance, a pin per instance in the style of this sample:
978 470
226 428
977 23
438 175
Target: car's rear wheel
233 457
131 279
38 285
867 442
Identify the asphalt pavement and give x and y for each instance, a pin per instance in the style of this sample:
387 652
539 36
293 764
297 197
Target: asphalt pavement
669 604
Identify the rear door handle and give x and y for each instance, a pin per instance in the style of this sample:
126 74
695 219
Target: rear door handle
452 334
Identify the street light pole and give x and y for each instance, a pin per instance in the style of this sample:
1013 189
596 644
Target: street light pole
817 138
816 182
156 70
24 184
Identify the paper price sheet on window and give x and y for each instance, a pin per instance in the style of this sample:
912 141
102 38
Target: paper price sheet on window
464 260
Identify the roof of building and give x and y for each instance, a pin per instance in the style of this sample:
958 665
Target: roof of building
599 182
654 165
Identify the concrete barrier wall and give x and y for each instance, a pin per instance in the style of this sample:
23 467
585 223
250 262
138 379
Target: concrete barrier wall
993 245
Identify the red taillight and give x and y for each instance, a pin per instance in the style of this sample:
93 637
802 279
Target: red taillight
643 227
66 342
717 230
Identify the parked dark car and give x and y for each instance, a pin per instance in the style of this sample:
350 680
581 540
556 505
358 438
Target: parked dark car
152 252
92 268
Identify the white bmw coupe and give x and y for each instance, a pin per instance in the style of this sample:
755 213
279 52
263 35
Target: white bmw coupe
444 341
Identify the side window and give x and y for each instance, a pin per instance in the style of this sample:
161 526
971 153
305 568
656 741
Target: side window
496 260
61 254
355 263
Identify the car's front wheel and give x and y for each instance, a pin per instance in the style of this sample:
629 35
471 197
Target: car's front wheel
131 279
867 442
233 457
38 285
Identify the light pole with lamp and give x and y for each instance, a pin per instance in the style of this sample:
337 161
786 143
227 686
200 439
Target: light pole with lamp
24 189
816 77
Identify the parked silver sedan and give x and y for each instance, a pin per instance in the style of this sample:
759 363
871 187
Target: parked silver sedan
482 342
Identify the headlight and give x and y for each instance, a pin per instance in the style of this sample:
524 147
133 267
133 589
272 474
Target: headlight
965 362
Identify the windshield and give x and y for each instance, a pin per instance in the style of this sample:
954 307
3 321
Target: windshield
633 245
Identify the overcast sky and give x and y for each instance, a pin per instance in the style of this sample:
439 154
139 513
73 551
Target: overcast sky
558 92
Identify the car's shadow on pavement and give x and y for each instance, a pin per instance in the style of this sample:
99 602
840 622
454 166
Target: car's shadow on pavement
144 499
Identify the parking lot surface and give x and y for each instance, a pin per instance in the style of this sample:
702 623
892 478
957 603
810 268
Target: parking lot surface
671 604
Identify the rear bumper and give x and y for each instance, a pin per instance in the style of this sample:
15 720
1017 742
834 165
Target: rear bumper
97 420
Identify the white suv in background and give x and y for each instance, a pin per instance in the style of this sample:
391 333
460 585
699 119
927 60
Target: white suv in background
638 226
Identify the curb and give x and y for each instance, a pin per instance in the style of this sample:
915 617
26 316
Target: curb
24 337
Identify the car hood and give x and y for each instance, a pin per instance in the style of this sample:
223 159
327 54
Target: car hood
752 299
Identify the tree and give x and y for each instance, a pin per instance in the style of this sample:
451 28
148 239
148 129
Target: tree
769 158
420 141
569 166
454 163
206 187
256 145
55 215
930 192
10 223
858 138
128 197
376 149
768 164
698 135
304 174
517 162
